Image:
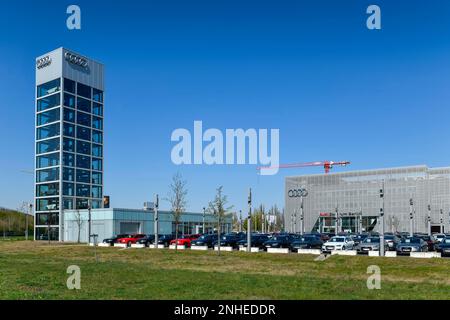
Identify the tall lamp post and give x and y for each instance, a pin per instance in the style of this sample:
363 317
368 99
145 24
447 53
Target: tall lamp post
249 221
442 222
303 193
429 220
240 220
411 218
156 223
89 221
30 207
204 212
382 220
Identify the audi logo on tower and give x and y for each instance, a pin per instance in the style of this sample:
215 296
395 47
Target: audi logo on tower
295 193
43 62
75 59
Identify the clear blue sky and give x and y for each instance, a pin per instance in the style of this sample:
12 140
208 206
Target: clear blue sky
335 90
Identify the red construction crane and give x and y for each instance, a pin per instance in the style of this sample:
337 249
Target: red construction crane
327 165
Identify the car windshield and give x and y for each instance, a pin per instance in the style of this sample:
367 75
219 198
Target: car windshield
411 240
388 237
337 239
123 236
306 239
278 238
372 240
447 240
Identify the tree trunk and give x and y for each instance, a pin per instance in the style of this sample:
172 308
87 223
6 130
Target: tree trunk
176 235
218 237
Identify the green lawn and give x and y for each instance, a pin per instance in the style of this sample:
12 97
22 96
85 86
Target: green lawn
36 270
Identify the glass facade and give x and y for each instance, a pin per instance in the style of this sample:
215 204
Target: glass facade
354 194
67 111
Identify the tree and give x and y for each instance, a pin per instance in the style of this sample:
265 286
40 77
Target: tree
79 221
235 221
177 199
218 208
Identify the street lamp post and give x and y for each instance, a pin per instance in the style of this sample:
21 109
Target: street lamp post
382 221
249 221
442 222
30 207
429 220
295 221
240 220
336 221
89 221
411 218
156 224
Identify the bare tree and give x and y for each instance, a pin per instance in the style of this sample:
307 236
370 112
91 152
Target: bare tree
219 209
79 221
177 199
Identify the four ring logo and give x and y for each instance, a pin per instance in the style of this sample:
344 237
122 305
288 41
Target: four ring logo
72 58
295 193
43 62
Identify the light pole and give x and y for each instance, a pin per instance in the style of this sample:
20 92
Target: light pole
336 221
156 223
240 220
411 218
382 220
204 212
249 221
295 221
442 222
89 221
303 193
30 207
429 220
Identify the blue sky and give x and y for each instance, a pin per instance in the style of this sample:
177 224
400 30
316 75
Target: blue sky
336 90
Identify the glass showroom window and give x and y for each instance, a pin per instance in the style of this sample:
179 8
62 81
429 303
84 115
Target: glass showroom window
68 159
48 189
96 204
69 85
83 147
42 233
97 95
97 136
68 174
48 102
69 100
96 192
97 109
96 178
47 175
68 203
97 150
83 162
82 203
83 90
97 164
43 218
69 144
69 115
48 131
48 117
68 129
48 146
83 176
84 133
83 190
49 87
97 123
49 160
68 189
83 105
47 204
84 119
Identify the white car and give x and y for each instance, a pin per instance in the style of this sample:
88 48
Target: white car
338 243
440 237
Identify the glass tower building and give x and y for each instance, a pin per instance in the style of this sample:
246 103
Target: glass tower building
69 139
355 196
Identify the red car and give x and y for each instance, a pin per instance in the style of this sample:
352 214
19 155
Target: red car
131 238
185 240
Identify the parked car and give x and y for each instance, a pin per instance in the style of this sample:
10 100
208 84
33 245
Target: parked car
185 240
414 244
338 243
360 238
147 240
229 240
430 240
278 241
131 238
204 240
392 241
114 239
439 237
257 240
306 242
164 239
370 244
444 247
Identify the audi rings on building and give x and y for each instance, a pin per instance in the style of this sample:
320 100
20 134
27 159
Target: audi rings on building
72 58
43 62
295 193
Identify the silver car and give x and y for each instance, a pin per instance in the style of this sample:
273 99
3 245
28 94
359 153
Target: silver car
369 244
414 244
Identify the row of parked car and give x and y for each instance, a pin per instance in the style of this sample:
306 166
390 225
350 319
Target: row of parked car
403 243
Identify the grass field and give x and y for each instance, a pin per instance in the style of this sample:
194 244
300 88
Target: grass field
36 270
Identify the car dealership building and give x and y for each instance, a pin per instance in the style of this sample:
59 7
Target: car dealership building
355 197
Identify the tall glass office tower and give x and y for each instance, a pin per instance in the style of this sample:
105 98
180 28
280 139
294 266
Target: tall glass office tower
69 139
